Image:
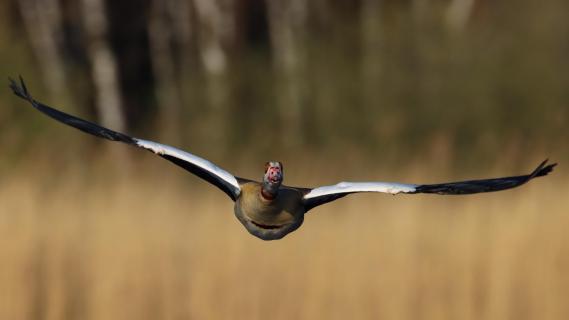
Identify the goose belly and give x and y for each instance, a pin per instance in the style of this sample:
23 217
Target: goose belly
269 220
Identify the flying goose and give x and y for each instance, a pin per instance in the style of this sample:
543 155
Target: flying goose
270 210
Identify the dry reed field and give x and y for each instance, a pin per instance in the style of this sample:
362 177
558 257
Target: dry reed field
73 246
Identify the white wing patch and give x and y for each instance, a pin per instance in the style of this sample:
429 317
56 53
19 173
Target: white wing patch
159 148
350 187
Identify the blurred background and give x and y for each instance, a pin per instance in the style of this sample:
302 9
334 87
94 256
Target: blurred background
417 91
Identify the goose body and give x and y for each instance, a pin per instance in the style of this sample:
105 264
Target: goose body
269 219
268 209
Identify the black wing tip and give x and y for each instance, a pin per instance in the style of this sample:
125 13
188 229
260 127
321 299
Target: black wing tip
94 129
20 90
543 169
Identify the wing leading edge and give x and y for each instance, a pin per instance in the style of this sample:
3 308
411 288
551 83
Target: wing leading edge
194 164
321 195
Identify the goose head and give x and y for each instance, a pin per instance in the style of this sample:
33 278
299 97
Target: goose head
272 179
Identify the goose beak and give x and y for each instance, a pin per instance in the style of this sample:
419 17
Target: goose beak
274 174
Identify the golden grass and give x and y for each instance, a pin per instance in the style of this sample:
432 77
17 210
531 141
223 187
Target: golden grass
149 249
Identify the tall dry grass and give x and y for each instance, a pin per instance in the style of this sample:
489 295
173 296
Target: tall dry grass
81 246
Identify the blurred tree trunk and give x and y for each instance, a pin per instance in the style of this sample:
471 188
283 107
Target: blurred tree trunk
371 50
216 30
287 20
181 12
42 20
104 74
419 8
161 33
458 13
103 65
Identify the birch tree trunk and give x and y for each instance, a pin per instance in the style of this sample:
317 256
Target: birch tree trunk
286 22
42 20
458 13
161 34
103 65
181 12
371 49
216 30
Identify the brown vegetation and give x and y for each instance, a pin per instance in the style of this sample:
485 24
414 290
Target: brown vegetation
84 246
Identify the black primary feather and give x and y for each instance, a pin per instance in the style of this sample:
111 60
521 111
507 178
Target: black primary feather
484 185
83 125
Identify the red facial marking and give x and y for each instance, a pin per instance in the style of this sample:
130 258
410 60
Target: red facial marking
274 173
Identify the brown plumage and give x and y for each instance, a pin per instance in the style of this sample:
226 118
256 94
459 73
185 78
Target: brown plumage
269 219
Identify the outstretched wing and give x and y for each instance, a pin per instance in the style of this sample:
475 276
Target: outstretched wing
485 185
194 164
322 195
